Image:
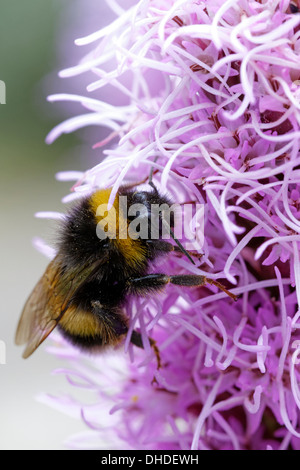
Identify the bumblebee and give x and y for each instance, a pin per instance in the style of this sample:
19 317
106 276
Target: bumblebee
84 289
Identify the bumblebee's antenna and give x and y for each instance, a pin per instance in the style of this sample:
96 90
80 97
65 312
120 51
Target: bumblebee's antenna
150 180
221 287
181 248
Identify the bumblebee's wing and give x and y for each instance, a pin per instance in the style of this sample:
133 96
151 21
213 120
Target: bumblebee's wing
49 301
40 314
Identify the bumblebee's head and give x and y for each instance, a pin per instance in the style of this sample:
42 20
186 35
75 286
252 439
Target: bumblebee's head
94 227
134 215
150 215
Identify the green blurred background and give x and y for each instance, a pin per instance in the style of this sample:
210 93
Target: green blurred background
29 53
29 60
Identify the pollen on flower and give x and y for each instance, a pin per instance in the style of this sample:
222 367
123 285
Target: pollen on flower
209 101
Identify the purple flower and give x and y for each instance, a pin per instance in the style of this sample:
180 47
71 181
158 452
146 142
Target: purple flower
208 94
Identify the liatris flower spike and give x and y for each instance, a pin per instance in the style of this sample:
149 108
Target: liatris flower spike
208 95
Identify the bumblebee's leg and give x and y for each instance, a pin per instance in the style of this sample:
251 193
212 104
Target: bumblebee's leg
161 246
157 281
194 254
136 339
115 326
